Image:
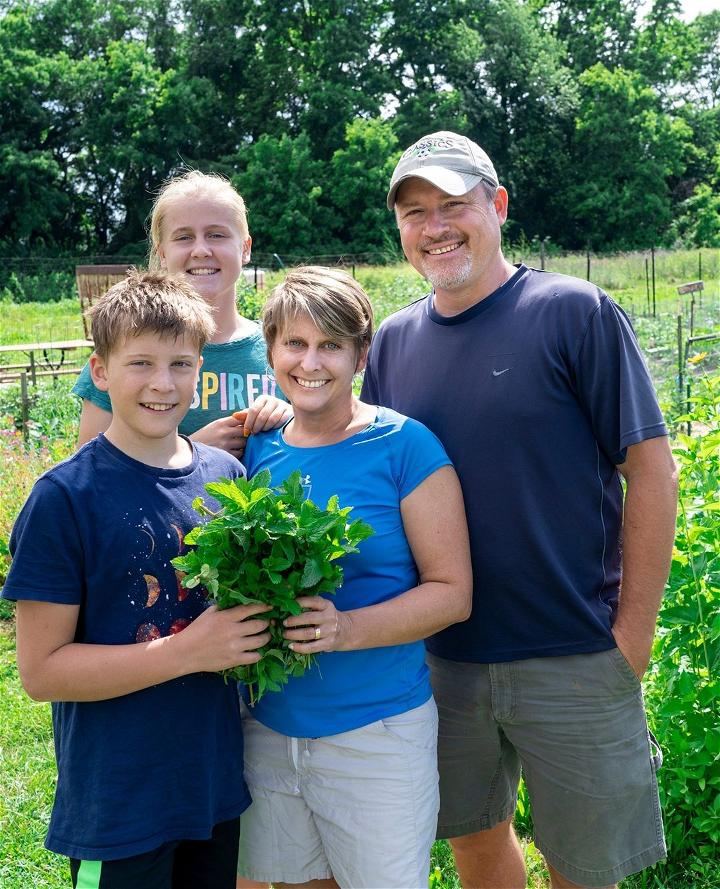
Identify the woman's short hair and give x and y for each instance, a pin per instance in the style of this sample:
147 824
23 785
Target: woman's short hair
193 185
154 302
335 302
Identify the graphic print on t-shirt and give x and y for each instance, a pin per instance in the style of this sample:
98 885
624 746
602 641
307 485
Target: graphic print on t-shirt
155 590
230 391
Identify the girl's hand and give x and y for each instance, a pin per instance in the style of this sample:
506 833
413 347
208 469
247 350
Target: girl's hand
320 628
266 412
226 433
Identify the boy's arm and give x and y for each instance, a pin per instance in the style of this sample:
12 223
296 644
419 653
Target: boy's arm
53 667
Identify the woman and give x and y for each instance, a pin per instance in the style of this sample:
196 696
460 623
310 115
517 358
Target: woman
342 763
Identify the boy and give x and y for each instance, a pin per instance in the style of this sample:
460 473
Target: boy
148 737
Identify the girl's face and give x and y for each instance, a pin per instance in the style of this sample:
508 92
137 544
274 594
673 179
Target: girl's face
201 240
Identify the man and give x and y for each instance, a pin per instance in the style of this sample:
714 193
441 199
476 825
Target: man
535 384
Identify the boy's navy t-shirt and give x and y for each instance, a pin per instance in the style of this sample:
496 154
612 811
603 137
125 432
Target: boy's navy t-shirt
163 763
536 392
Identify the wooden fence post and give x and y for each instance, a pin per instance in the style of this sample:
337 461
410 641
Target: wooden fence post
652 257
25 408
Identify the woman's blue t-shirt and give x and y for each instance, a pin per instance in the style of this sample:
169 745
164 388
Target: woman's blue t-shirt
371 471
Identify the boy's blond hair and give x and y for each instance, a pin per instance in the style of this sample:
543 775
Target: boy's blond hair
193 185
335 302
150 301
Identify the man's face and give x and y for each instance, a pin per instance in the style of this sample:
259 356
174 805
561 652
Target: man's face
454 242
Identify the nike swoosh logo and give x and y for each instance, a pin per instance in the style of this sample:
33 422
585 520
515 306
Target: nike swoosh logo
498 373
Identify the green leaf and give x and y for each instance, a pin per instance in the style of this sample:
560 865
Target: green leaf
268 545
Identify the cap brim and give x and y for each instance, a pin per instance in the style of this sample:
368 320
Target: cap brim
446 180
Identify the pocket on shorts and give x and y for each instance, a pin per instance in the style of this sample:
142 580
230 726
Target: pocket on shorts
623 668
417 727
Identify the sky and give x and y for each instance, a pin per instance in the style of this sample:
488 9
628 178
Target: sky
692 7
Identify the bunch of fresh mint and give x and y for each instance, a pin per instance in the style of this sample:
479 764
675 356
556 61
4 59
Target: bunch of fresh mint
268 545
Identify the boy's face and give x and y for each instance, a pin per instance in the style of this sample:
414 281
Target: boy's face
151 380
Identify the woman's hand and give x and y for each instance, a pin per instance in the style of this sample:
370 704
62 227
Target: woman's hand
321 627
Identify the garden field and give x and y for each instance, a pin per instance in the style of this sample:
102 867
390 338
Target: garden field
682 687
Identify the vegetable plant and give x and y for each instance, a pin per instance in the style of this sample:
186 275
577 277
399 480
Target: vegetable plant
268 545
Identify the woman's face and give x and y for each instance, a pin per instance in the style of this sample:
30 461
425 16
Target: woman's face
313 370
201 240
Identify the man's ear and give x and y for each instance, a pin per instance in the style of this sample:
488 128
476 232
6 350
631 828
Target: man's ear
98 372
501 204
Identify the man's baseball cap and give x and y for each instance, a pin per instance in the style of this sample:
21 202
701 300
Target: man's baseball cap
451 162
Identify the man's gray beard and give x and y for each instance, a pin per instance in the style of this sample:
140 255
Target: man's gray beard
451 277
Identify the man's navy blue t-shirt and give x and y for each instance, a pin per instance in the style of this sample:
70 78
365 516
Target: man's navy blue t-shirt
164 763
536 392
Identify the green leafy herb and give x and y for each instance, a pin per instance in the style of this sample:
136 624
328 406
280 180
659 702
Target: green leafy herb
268 545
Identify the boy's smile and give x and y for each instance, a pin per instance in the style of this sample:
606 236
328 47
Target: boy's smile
151 380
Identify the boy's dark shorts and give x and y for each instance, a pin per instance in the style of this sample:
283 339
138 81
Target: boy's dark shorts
576 727
183 864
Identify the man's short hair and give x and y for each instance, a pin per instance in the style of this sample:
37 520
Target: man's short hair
155 302
335 302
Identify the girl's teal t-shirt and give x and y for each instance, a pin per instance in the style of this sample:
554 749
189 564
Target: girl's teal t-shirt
232 376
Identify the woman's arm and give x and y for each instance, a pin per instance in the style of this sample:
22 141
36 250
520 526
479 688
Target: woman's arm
53 667
433 517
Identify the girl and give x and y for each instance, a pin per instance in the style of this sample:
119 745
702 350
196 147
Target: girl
198 228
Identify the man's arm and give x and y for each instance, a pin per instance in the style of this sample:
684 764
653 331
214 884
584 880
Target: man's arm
648 534
53 667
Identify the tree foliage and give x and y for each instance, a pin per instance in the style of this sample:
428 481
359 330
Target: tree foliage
603 124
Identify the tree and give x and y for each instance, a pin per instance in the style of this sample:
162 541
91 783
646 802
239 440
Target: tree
519 101
35 193
285 192
592 31
359 177
627 151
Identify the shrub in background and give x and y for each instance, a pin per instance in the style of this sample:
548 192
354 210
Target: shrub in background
683 689
41 288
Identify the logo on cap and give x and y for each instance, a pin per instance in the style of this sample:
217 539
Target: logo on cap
428 146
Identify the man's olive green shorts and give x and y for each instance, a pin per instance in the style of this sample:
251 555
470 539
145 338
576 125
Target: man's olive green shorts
575 726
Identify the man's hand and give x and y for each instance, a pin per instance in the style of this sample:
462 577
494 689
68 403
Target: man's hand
637 654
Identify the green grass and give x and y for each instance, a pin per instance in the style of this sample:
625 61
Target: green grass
40 322
27 781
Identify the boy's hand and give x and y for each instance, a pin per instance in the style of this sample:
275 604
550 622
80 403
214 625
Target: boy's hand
266 412
225 433
219 640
